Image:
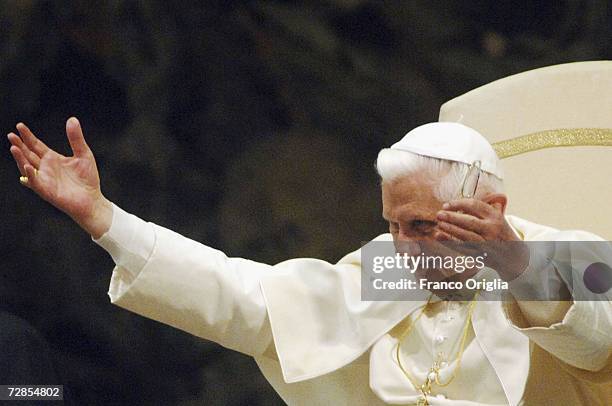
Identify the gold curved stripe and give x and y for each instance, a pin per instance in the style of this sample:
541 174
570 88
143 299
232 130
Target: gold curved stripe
561 137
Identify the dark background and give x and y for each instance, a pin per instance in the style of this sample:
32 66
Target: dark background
249 126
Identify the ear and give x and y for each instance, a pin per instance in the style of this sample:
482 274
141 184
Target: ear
499 201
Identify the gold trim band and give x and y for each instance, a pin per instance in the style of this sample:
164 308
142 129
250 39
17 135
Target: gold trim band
561 137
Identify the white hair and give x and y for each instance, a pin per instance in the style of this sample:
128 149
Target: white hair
446 176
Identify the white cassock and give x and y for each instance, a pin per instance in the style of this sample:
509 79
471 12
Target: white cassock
317 343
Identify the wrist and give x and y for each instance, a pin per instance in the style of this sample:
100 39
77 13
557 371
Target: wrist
512 261
99 221
518 263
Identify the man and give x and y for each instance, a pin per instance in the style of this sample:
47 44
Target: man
303 320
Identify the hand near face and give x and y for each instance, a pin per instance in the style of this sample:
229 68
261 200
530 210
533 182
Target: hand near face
484 220
476 220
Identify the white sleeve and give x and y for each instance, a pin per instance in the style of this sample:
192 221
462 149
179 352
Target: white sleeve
580 336
167 277
129 241
540 280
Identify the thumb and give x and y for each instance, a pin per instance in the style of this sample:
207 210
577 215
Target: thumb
498 206
498 201
76 138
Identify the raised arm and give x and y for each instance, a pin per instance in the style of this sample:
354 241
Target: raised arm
158 274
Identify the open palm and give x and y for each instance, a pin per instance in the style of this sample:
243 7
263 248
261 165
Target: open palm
71 184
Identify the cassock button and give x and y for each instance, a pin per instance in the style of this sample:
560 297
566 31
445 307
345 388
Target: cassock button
440 339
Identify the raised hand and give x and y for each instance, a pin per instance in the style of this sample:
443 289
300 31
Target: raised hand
484 220
71 184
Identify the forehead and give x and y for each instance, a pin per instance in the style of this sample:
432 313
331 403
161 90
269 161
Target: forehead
411 196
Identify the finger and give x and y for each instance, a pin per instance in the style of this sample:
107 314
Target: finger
34 144
443 236
443 245
75 137
453 246
471 206
458 232
20 160
463 220
33 179
30 156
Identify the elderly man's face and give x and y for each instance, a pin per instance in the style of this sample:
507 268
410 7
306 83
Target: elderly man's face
410 207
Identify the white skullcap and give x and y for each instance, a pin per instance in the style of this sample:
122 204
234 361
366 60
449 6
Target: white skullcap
452 142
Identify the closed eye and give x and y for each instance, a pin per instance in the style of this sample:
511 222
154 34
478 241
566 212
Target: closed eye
422 225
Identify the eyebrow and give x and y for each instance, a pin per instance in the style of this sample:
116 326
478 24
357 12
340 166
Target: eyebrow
418 215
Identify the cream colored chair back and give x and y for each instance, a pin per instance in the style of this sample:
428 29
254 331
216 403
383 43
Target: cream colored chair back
562 175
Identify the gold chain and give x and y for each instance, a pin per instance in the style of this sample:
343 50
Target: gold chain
425 388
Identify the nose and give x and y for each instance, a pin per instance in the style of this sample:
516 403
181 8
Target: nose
402 236
406 245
